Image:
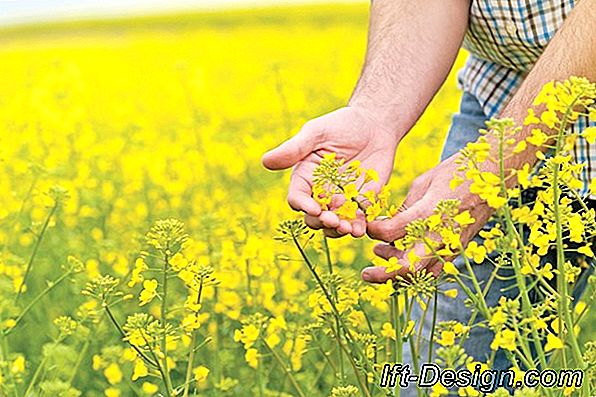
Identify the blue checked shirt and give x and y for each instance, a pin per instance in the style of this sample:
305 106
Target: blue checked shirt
505 38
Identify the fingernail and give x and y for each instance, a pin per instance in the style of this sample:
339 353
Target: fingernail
366 276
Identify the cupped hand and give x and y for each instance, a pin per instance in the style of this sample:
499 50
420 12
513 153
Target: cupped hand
424 195
352 133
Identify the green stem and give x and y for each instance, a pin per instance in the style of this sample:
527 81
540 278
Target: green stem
561 276
123 334
285 369
432 329
31 304
35 250
521 283
361 383
79 361
164 351
191 352
334 291
396 320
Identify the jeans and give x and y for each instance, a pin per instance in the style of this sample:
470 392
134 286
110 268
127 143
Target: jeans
464 128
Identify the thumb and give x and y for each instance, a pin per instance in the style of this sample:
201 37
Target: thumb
395 228
293 150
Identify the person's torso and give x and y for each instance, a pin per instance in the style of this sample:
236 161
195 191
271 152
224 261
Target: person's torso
513 33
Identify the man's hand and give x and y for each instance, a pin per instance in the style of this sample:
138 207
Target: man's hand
572 52
352 133
411 48
424 195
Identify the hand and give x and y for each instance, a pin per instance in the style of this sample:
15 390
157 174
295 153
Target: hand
424 195
353 133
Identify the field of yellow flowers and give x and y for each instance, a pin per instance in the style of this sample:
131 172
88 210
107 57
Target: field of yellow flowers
137 250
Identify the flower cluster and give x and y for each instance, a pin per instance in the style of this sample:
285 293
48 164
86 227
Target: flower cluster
334 180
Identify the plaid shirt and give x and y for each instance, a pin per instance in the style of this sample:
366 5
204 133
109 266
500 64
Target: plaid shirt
505 38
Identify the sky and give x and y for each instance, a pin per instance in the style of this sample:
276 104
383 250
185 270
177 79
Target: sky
20 11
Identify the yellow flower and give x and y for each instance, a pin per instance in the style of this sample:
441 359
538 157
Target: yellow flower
520 147
456 181
586 250
546 271
498 318
371 175
392 265
451 293
531 118
589 134
113 373
447 338
549 118
149 292
388 331
538 138
439 390
138 337
136 275
190 322
10 323
350 192
273 339
200 373
252 357
409 328
150 388
347 210
96 365
140 370
18 365
476 252
373 211
580 307
504 339
553 342
459 328
248 335
112 392
468 391
464 218
449 268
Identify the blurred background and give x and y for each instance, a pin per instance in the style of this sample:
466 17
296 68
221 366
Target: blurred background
17 11
145 110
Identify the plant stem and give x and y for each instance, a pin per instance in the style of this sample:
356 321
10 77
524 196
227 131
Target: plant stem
163 326
561 276
396 320
334 291
35 250
31 304
285 369
191 352
123 334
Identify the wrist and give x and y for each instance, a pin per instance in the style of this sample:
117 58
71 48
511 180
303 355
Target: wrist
386 118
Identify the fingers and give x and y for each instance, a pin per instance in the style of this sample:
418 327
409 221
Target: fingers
300 190
359 226
394 228
376 274
293 150
387 251
333 226
326 219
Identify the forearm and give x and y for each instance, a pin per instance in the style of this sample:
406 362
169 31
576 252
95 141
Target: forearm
412 45
571 52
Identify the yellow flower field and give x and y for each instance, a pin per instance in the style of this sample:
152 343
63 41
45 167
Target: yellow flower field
113 129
